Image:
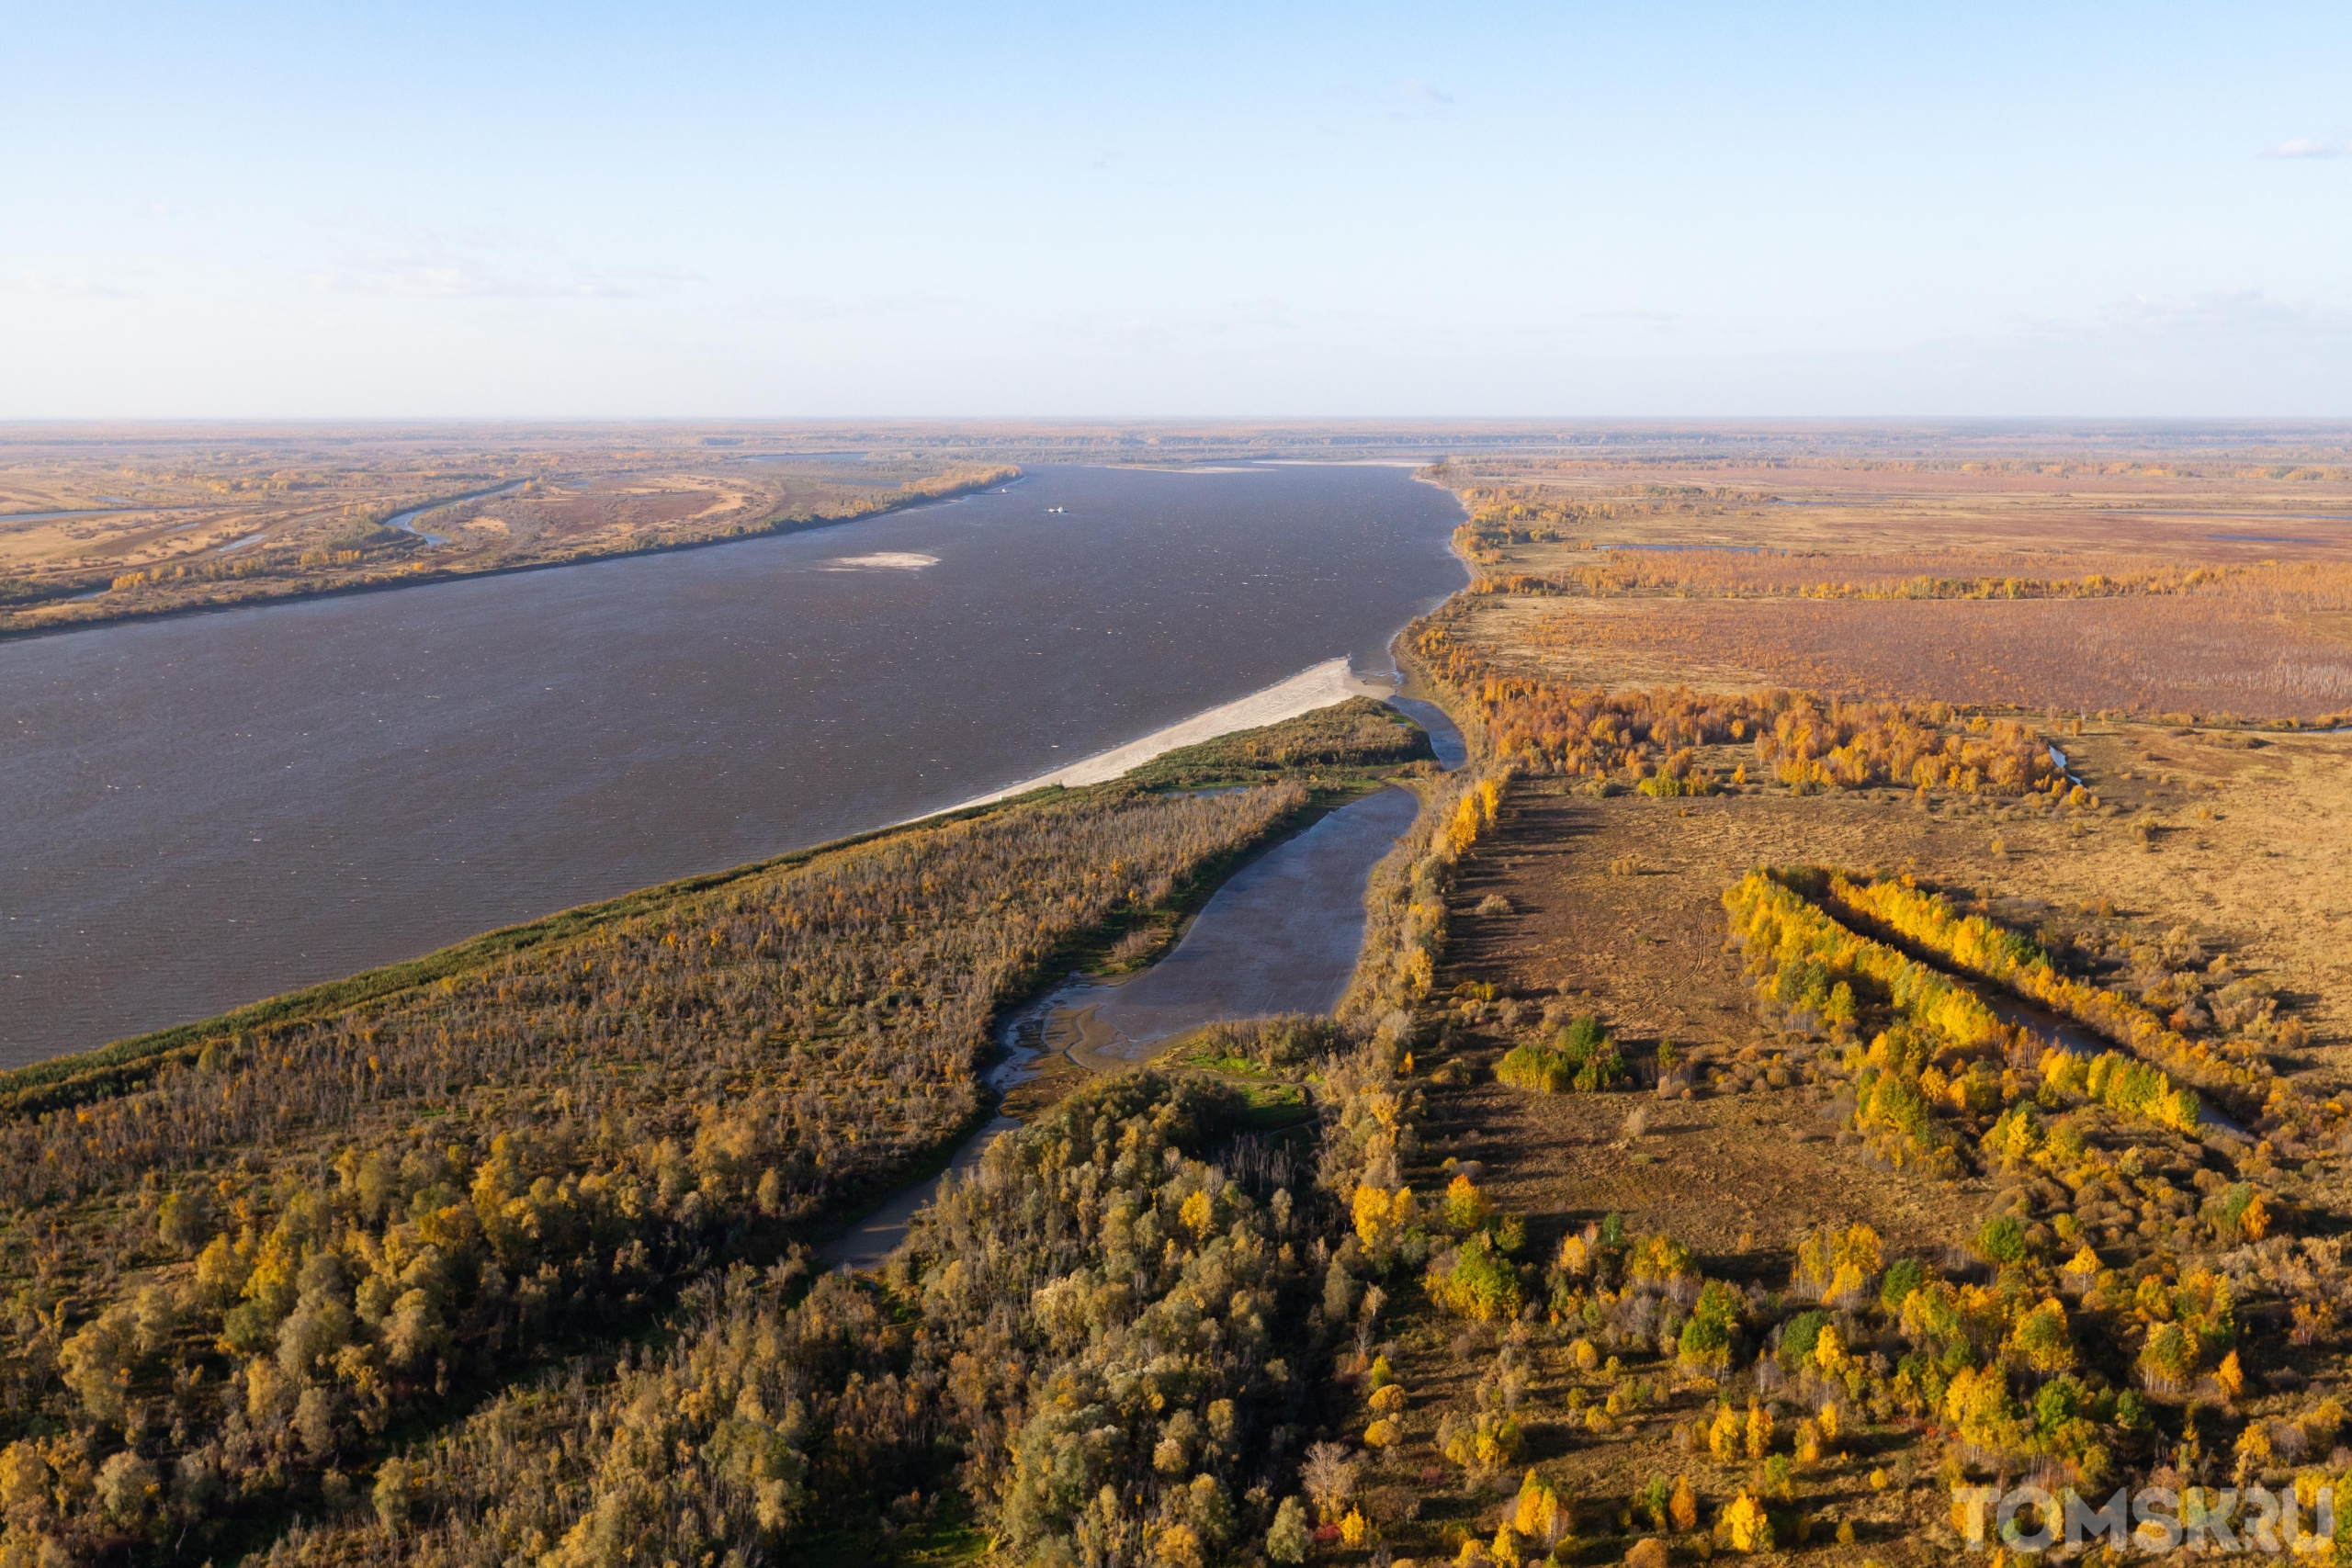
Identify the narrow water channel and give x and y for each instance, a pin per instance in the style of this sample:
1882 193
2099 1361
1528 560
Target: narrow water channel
406 521
1282 935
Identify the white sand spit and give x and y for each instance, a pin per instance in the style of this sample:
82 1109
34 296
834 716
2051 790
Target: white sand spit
885 560
1318 687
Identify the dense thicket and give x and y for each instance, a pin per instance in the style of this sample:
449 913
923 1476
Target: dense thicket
235 1280
1106 1338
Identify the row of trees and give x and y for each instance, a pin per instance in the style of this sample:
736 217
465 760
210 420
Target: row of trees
2108 1193
1797 736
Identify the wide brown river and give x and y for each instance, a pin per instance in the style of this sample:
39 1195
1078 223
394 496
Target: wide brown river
198 812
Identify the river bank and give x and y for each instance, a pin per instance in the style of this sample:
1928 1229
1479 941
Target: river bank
215 808
1280 935
1319 686
260 592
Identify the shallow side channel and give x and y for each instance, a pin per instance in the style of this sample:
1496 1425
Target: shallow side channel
1282 936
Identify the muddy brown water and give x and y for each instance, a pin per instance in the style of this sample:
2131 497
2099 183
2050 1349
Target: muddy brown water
202 811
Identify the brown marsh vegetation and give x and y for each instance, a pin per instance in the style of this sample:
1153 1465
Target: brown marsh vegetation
2210 584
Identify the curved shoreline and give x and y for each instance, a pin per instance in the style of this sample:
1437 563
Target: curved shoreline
430 579
1316 686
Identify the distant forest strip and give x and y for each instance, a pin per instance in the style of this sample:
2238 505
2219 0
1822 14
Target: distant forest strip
2270 587
271 1242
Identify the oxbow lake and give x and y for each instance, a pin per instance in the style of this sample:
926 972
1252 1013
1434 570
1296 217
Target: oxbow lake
209 810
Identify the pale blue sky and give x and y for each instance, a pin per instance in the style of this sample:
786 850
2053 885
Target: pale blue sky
862 209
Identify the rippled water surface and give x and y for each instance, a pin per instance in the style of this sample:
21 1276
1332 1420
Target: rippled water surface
198 812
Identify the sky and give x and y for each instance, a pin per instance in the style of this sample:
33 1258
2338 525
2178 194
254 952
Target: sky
1131 211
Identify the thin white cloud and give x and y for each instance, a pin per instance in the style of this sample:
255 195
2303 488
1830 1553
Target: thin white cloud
1656 321
86 289
414 276
805 309
1421 100
2235 312
2210 313
1240 319
2310 147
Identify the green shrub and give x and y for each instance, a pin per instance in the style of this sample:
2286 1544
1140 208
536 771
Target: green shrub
1704 1345
1584 1060
2002 1241
1588 1047
1538 1069
1480 1283
1902 1277
1797 1341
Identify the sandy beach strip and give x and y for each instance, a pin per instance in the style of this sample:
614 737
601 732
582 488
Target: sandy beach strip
1319 686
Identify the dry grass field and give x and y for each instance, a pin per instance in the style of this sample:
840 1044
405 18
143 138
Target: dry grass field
1612 906
2212 586
2139 654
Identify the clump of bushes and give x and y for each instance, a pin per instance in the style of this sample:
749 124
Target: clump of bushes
1274 1045
1477 1279
1584 1060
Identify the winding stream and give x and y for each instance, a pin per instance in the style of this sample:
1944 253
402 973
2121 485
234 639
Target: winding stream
406 521
2070 1036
